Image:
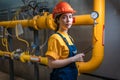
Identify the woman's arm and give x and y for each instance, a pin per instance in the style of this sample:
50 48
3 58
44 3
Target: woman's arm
52 63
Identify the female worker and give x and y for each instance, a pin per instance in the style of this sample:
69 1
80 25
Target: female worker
62 53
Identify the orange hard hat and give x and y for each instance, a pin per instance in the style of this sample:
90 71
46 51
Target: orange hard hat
62 7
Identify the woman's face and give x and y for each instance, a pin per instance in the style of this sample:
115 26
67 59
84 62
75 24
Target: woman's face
65 21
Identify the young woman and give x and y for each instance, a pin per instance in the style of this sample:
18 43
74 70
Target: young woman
62 53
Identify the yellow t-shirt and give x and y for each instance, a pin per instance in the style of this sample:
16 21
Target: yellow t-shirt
57 48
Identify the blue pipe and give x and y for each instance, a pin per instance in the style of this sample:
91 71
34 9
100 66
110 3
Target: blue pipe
11 63
37 52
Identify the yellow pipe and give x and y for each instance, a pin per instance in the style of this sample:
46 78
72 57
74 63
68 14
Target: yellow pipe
82 20
5 53
98 45
43 60
45 21
25 57
12 24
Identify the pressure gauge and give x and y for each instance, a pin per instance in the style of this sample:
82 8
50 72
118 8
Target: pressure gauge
94 15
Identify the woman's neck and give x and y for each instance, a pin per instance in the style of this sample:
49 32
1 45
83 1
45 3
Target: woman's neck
63 30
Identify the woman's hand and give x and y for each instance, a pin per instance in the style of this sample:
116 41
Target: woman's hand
78 57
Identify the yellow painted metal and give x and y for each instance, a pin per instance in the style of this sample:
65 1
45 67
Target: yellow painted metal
12 24
24 57
5 53
45 21
82 20
43 60
98 40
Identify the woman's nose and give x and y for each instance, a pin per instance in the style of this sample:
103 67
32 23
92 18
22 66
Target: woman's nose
68 19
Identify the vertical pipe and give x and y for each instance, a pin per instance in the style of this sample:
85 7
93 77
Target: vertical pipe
36 66
98 45
11 63
98 40
10 43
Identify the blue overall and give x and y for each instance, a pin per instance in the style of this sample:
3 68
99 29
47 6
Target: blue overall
68 72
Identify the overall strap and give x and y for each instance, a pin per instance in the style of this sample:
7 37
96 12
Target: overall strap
72 48
64 39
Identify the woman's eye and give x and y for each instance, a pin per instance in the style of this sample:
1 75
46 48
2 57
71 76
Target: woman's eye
70 16
64 17
67 16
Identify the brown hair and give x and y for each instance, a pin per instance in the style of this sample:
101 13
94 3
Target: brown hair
56 21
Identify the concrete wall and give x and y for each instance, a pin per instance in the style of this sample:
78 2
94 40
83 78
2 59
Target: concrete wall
111 63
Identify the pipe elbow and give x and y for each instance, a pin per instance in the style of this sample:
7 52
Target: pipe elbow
92 64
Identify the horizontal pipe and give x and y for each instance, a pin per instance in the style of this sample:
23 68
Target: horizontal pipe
46 21
25 57
82 20
12 24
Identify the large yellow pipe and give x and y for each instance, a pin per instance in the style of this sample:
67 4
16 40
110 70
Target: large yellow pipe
45 21
82 20
98 45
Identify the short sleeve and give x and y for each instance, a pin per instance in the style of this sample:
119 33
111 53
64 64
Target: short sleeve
53 46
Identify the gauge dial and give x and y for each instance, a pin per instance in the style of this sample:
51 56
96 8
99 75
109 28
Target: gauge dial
94 15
